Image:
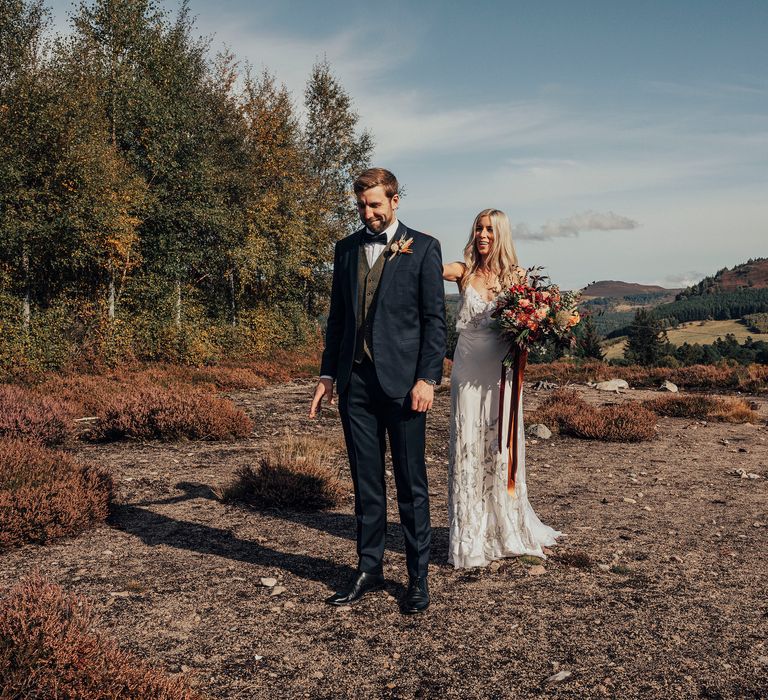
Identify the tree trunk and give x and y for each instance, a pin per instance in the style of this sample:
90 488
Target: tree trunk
26 309
232 307
111 298
178 303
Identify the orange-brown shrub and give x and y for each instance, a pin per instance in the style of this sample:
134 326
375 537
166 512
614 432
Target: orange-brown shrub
701 407
46 494
49 648
567 413
297 474
154 412
752 378
26 414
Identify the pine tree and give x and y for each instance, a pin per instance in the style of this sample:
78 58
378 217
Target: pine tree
646 339
588 340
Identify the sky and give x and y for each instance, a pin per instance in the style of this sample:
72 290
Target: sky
624 140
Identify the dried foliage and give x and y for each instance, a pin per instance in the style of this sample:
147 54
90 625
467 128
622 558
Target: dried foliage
567 413
26 414
46 494
49 648
752 378
298 473
154 412
702 407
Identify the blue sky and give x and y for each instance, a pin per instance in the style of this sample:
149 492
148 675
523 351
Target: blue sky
624 140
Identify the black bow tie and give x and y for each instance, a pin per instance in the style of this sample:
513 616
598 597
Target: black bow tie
374 238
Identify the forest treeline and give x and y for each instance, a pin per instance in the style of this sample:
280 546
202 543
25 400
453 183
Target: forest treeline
159 201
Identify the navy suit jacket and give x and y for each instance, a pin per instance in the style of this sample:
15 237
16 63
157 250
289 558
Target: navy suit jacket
409 331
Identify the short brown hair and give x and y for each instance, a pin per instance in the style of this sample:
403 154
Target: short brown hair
373 177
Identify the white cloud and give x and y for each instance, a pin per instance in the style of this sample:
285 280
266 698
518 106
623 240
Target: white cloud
576 224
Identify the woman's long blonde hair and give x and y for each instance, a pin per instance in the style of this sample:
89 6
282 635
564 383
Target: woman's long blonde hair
502 260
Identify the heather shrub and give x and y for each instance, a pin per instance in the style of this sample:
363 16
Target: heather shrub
46 494
567 413
752 378
297 473
49 648
700 406
27 414
154 412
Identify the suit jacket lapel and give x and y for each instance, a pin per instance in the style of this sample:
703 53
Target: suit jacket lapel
390 265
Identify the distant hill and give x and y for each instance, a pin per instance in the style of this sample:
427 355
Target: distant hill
614 288
752 274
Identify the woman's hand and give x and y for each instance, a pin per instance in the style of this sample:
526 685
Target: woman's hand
454 271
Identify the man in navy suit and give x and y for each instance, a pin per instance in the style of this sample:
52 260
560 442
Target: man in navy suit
384 348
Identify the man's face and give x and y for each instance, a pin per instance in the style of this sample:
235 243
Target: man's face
377 211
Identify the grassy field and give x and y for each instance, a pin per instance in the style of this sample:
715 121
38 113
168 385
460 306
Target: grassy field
701 332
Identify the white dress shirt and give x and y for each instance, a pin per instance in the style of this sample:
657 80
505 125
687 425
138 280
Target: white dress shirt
373 250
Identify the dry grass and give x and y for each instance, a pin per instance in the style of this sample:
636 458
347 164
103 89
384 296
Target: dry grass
26 414
567 413
298 473
702 407
50 649
46 494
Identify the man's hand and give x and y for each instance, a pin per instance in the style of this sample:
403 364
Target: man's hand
324 388
422 396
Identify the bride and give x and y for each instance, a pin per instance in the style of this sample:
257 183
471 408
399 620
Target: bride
485 521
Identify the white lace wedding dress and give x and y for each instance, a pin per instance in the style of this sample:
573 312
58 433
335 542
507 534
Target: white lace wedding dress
485 521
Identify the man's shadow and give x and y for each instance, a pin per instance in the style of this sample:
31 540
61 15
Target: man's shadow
153 529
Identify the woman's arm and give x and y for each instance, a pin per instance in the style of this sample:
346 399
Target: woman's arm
453 272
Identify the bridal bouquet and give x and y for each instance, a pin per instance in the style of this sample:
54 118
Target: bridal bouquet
528 314
534 313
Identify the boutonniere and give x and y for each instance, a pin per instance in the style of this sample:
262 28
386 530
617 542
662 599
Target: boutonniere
401 245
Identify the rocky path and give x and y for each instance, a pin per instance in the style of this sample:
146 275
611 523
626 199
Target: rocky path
658 590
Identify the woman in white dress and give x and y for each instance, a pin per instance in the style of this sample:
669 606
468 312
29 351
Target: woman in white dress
485 521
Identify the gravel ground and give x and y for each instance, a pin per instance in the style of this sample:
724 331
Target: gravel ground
662 596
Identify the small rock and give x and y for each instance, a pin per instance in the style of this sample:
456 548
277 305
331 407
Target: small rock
269 582
395 656
318 675
120 594
185 668
757 523
604 567
494 565
559 677
537 570
612 385
547 551
743 449
762 660
668 386
648 508
108 552
628 500
675 558
288 604
257 657
277 590
539 430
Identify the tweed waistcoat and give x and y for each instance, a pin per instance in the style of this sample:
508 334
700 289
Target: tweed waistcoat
368 279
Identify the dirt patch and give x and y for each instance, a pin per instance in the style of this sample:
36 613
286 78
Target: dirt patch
657 591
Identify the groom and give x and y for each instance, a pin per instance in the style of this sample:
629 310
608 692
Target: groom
384 347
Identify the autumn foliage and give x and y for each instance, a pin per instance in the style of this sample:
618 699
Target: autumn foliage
50 648
567 413
297 473
701 407
26 414
751 378
47 494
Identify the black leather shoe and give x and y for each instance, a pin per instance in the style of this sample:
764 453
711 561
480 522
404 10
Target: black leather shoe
361 584
417 596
